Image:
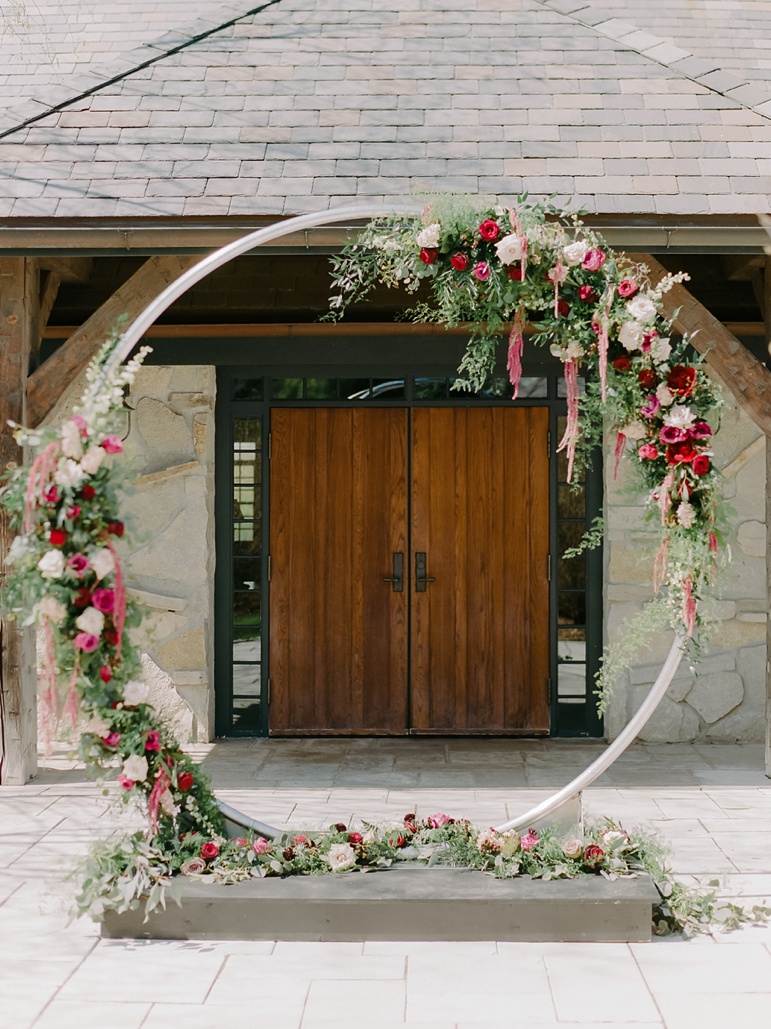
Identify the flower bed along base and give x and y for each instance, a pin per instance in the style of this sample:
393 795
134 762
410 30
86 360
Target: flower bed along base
406 902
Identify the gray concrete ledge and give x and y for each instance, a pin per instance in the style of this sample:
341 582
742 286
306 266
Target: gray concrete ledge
406 902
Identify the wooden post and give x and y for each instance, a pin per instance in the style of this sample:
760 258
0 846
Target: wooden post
18 685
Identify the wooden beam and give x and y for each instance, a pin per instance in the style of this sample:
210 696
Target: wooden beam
18 686
69 269
47 384
739 370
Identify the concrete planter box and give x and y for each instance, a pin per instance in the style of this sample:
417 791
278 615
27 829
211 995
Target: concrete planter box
407 902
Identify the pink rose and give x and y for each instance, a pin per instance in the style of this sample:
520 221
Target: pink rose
651 406
438 820
87 642
112 445
481 271
81 423
594 260
153 741
627 288
51 495
673 434
647 452
112 739
587 293
125 782
530 839
78 564
104 601
239 841
261 845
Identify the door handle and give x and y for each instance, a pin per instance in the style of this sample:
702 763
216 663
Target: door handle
420 573
398 577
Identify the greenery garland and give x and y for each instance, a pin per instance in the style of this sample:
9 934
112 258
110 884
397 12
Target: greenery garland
497 269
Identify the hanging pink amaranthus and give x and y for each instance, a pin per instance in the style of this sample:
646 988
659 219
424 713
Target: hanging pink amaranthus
514 361
572 428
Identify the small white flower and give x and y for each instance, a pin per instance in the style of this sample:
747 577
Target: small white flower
680 415
51 608
686 514
341 857
51 564
102 561
92 460
91 621
135 693
660 349
71 440
630 335
429 237
574 253
135 767
641 308
665 395
69 473
509 249
634 430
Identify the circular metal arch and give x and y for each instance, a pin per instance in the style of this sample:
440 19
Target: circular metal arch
217 259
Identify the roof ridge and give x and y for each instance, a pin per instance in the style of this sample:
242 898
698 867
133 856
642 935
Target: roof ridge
706 73
86 84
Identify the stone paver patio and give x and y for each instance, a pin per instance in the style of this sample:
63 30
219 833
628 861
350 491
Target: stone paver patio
712 803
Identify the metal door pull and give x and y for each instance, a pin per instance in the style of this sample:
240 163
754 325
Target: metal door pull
398 577
420 573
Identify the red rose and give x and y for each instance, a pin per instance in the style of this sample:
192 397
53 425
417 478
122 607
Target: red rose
593 855
587 293
647 378
460 262
105 674
184 781
679 453
563 308
514 272
428 255
51 495
681 379
622 364
110 637
209 851
88 493
73 512
355 837
489 230
400 841
82 597
153 741
700 464
116 528
648 452
58 537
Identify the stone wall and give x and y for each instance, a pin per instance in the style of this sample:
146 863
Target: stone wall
171 567
725 699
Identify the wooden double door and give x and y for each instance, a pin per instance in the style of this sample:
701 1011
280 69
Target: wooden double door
408 588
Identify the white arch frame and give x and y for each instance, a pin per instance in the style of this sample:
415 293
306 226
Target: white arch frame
260 237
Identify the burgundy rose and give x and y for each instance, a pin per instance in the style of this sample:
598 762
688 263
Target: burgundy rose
78 564
82 598
105 673
593 855
563 308
700 464
489 230
673 434
116 528
110 637
400 841
58 537
153 741
627 288
74 512
355 837
700 430
594 260
340 827
184 781
647 378
681 379
288 854
209 851
622 364
88 492
514 272
680 453
587 293
460 262
428 255
410 819
647 452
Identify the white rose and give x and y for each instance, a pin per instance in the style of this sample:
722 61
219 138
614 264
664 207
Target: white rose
686 515
102 561
679 415
660 349
92 459
51 564
71 440
135 768
97 727
630 335
69 473
166 803
665 395
193 866
341 857
91 621
51 608
574 253
509 249
135 693
641 308
574 351
429 237
634 430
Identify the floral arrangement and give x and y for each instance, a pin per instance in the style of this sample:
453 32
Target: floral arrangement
64 575
498 270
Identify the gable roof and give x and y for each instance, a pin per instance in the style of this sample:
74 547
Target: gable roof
299 104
